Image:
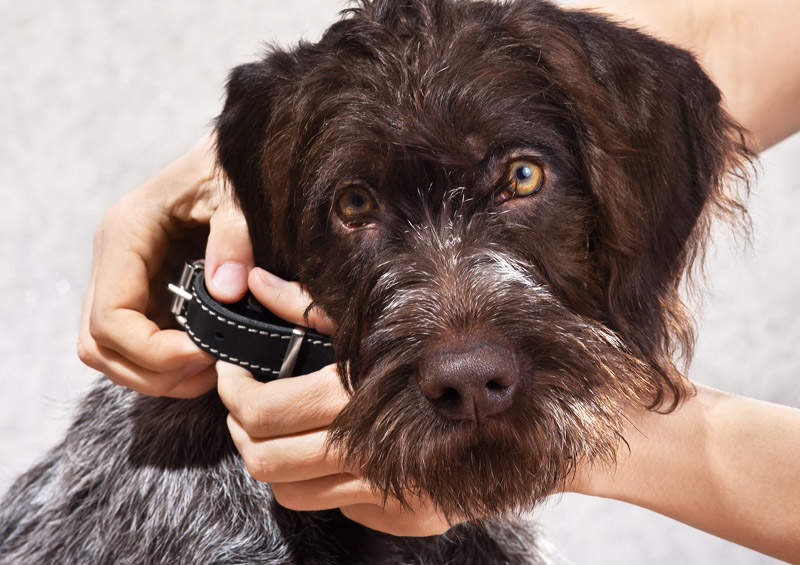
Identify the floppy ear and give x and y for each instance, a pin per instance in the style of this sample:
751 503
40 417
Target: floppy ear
657 148
252 136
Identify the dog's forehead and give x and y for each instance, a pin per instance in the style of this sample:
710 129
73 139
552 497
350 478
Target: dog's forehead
471 75
447 108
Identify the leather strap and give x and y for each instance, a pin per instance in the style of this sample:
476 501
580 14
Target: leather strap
245 332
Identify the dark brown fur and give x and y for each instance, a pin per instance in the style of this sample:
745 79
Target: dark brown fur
424 102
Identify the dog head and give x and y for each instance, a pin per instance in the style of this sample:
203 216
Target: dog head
497 204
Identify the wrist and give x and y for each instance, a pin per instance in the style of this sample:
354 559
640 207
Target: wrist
659 452
188 190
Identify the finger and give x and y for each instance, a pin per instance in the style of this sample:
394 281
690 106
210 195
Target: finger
288 300
120 296
141 341
195 385
282 406
296 457
229 253
324 493
85 341
396 520
189 381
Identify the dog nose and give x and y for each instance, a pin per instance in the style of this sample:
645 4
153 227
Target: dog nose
469 380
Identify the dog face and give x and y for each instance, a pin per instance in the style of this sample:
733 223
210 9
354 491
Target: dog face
497 204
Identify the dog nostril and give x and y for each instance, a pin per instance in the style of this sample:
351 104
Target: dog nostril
449 397
496 386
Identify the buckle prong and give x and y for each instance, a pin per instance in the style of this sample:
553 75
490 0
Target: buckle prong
292 352
181 290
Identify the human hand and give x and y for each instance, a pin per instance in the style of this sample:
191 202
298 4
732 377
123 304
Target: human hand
280 429
140 246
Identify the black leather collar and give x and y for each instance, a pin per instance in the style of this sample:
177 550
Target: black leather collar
245 332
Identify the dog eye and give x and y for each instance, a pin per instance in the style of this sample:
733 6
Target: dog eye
353 204
523 178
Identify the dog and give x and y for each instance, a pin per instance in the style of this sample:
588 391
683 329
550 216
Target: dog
514 194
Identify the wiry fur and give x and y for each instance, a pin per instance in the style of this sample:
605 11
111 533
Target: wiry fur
425 102
142 480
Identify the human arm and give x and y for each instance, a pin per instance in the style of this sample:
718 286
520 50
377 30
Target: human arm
725 464
751 50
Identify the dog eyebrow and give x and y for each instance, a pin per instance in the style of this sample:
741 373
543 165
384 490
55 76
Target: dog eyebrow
476 146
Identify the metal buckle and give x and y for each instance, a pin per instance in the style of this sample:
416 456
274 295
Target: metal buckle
292 352
182 290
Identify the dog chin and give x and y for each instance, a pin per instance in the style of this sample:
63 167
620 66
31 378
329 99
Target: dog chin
502 464
569 409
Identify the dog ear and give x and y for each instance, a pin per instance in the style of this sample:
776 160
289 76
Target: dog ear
658 148
246 144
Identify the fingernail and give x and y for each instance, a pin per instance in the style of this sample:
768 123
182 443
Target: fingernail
269 279
230 278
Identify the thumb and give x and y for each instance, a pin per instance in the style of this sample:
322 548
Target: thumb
229 253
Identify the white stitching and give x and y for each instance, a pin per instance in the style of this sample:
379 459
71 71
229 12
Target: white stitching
219 353
238 326
254 330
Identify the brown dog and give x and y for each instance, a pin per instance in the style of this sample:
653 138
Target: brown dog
513 194
497 203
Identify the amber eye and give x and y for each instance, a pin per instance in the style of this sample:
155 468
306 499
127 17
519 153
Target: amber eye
354 204
524 178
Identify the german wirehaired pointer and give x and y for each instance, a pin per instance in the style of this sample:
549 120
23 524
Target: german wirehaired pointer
497 203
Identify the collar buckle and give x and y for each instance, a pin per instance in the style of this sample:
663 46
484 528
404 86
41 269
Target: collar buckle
182 290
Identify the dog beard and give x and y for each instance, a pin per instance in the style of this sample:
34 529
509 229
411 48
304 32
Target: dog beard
450 279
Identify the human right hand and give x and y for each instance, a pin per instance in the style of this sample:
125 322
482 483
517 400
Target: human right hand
281 429
138 248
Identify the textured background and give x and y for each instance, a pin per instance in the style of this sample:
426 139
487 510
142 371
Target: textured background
97 96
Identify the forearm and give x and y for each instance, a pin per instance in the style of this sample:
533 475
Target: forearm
724 464
750 49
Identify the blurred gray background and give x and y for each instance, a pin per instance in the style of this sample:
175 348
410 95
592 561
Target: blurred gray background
98 95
